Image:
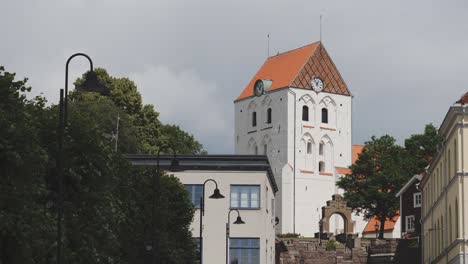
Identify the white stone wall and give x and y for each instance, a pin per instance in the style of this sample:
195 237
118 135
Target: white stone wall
288 137
258 223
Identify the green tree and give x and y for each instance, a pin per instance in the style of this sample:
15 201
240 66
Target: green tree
382 169
152 134
25 230
376 177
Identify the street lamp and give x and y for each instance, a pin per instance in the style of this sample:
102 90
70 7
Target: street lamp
237 222
376 226
216 195
92 83
320 231
156 198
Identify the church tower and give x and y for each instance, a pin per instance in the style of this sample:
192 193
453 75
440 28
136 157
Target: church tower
297 111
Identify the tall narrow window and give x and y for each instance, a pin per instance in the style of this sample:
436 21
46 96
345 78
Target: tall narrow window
321 148
321 166
254 119
265 149
305 113
309 147
324 115
269 116
256 150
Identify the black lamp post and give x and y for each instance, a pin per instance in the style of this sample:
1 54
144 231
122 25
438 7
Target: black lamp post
228 229
320 231
92 83
376 226
216 195
156 199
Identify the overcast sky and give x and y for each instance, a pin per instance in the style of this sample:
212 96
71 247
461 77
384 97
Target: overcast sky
404 61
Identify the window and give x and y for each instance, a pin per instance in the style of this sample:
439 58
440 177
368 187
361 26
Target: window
196 192
256 150
324 116
321 148
254 119
309 147
417 200
305 113
269 116
244 251
410 223
265 149
321 166
245 196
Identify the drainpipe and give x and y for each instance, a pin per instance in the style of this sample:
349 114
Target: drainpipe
294 164
463 182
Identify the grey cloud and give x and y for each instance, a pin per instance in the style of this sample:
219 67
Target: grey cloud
404 61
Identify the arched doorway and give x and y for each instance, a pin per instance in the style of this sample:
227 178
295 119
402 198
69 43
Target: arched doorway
338 206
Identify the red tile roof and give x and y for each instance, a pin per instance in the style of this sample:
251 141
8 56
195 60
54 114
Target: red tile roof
389 225
295 68
281 69
357 149
463 99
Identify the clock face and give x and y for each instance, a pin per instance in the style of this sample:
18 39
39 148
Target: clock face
317 84
259 88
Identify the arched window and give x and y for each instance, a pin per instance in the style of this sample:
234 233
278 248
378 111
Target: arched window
324 116
321 148
254 119
256 150
268 116
309 147
305 113
321 166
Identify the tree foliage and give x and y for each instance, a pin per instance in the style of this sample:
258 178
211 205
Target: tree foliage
106 200
382 169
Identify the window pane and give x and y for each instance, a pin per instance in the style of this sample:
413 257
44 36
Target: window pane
245 196
195 192
245 250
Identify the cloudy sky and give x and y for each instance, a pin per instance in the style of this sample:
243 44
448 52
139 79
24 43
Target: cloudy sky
405 61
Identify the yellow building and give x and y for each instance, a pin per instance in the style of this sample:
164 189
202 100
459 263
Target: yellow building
445 192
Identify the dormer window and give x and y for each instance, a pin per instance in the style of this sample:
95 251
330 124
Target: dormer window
305 113
324 115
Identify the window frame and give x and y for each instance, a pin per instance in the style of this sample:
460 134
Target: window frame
249 201
415 204
269 116
231 248
324 117
305 113
192 194
254 119
407 227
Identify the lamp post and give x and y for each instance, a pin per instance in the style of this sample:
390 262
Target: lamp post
376 226
237 222
91 82
320 231
216 195
156 199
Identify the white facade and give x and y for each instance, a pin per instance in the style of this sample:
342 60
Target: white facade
300 200
259 224
304 154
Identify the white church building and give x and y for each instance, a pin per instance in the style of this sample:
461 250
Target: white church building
297 110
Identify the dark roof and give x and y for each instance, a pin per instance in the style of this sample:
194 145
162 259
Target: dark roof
208 162
463 99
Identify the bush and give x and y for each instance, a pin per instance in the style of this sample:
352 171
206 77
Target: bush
331 245
289 235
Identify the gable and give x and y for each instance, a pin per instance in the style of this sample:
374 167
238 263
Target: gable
321 65
296 68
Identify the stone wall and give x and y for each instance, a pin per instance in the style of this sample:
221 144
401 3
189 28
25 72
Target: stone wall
308 251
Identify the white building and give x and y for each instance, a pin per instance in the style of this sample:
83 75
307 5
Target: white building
297 110
247 184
